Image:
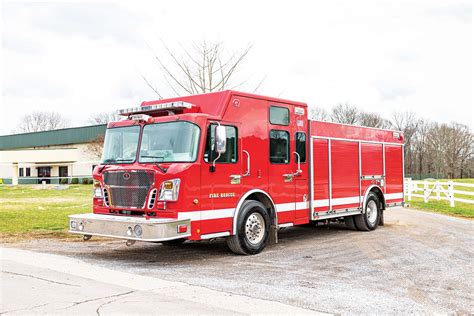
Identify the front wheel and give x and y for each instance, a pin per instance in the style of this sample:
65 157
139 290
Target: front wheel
253 226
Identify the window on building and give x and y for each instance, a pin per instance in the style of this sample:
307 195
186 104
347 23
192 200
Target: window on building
279 146
20 172
28 172
230 155
279 115
300 139
63 171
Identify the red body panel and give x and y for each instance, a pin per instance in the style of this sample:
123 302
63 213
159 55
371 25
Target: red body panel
337 156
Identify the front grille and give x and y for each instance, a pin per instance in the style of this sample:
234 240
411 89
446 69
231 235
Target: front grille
128 189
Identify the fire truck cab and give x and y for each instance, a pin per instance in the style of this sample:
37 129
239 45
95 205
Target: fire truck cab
240 166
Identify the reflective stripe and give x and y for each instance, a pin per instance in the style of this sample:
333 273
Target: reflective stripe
293 206
393 196
282 207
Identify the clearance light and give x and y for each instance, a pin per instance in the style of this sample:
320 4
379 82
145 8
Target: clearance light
178 105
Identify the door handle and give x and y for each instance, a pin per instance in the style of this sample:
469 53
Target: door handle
288 177
247 173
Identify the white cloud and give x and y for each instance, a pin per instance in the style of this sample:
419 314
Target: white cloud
82 58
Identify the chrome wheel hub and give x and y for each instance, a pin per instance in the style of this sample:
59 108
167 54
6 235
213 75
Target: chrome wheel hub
255 228
371 212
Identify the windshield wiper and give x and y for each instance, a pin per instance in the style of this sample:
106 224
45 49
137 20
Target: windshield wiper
162 169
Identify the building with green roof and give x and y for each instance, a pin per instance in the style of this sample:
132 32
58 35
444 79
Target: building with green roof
57 156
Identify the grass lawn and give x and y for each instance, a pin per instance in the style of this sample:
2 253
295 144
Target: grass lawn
460 209
26 211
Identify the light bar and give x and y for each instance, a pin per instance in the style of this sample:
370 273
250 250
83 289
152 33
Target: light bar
178 105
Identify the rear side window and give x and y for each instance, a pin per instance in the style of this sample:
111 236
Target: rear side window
279 115
300 139
279 147
230 155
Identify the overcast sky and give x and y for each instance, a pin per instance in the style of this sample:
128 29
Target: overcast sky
80 58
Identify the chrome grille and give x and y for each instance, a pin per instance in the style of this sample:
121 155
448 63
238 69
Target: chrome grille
128 189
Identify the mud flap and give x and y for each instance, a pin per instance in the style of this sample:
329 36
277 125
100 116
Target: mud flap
273 238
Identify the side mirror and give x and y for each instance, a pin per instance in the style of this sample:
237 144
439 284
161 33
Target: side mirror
221 139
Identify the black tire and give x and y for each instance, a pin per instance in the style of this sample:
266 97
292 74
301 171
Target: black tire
369 220
349 221
174 242
240 243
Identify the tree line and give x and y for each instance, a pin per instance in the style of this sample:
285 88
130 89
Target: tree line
432 149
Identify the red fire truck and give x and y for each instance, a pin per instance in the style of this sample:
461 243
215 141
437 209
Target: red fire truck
240 166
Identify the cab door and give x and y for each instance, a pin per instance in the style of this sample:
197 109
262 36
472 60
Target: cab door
221 180
282 163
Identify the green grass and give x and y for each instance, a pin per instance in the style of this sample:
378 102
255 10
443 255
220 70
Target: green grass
29 212
460 209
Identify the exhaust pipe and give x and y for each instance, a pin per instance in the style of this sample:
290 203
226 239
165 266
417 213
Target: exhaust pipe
86 237
130 242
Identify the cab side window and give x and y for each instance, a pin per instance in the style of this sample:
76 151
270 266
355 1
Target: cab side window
279 147
300 141
230 155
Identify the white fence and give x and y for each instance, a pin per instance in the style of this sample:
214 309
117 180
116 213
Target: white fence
438 190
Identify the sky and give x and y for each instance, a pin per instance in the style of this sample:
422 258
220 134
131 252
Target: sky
82 58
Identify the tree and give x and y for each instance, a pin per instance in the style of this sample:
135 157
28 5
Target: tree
408 123
201 68
41 121
372 120
318 114
345 113
95 147
103 118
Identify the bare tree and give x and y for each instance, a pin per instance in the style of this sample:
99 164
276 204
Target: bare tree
372 120
201 68
318 114
103 118
345 113
94 148
41 121
408 123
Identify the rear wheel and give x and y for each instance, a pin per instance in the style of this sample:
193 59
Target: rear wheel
369 220
253 227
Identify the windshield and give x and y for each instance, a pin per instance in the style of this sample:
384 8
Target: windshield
120 144
169 142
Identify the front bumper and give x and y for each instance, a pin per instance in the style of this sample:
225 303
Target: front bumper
125 227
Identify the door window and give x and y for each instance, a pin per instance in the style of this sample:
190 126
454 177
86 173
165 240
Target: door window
279 147
300 139
230 155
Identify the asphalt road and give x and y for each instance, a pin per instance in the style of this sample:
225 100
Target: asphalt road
418 262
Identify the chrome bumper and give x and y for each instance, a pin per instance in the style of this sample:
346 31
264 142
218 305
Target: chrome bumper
126 227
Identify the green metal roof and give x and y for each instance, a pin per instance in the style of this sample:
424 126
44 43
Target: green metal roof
65 136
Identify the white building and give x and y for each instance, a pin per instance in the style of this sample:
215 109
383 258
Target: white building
52 156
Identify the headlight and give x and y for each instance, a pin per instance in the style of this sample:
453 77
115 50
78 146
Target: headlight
169 190
97 190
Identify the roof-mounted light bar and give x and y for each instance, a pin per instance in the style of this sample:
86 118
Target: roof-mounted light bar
170 106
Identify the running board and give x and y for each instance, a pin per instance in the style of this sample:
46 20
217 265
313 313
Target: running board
332 214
